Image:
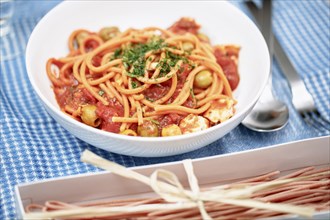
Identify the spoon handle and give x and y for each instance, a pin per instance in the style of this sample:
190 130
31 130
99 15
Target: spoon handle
266 26
265 16
269 114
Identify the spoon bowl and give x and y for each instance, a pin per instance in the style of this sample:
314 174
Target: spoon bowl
267 116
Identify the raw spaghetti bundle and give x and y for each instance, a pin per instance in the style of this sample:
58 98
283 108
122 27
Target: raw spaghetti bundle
302 192
146 82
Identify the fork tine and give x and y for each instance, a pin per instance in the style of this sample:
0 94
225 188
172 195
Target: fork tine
308 120
312 119
321 118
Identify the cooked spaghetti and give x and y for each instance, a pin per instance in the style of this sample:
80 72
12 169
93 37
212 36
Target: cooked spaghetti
146 82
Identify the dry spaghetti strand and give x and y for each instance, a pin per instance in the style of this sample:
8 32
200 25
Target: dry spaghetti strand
301 191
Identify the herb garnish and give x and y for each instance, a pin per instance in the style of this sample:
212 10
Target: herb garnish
134 84
149 99
117 53
101 92
169 62
133 58
193 96
153 121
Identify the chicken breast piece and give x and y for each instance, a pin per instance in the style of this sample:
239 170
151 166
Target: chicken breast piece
220 110
193 123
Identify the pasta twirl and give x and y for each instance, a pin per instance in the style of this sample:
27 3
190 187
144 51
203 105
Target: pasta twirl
141 81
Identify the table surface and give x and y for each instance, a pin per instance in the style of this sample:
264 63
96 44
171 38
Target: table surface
34 147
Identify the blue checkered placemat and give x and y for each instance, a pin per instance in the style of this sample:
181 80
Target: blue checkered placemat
34 147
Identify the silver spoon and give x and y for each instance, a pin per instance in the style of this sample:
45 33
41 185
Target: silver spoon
269 114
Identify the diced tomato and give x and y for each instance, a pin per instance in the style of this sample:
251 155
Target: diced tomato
183 74
185 25
62 95
88 97
229 67
91 44
107 112
73 96
97 60
190 102
157 91
169 119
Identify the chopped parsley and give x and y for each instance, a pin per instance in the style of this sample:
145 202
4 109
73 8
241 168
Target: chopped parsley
193 96
134 84
133 56
150 99
164 67
134 61
101 92
153 121
169 62
117 53
192 93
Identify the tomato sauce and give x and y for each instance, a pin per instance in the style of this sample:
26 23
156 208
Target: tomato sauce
90 45
73 96
156 91
107 112
228 66
97 60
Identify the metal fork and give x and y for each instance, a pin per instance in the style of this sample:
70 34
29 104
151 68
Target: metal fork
302 100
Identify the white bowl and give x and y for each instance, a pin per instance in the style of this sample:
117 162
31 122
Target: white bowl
221 21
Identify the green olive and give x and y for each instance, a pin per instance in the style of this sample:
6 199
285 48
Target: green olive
108 33
203 79
148 129
128 132
89 116
187 46
171 130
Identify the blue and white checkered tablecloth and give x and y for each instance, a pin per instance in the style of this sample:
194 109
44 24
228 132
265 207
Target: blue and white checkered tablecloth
34 147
